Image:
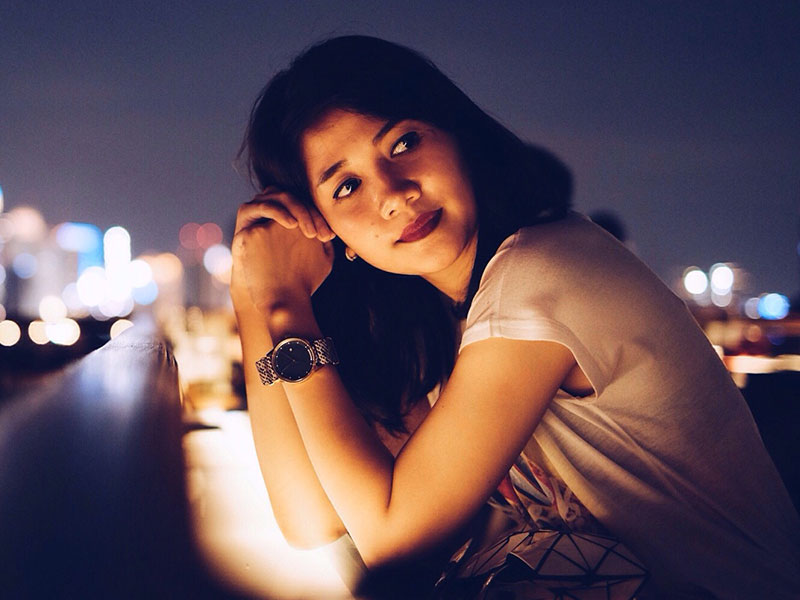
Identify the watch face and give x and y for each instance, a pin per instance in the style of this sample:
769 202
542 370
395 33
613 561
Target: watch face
293 360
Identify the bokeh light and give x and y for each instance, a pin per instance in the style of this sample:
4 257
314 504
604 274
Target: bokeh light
2 312
140 273
52 308
119 326
721 279
27 224
773 306
147 294
83 238
116 307
71 298
2 274
9 333
78 237
218 261
24 265
209 235
695 281
92 286
1 199
37 331
116 248
721 300
188 236
167 267
751 308
63 332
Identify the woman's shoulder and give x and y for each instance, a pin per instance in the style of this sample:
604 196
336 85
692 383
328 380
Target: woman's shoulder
571 247
572 267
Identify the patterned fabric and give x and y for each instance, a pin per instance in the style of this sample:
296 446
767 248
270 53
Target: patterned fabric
551 547
544 500
548 565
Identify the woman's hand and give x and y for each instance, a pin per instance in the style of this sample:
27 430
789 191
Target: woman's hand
281 250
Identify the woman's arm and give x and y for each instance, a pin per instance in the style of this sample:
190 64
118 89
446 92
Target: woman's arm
303 512
394 509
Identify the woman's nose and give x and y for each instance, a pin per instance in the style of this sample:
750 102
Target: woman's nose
398 192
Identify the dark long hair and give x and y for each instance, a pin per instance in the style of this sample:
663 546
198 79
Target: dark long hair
396 333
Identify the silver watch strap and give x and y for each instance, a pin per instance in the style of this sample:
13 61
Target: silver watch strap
325 351
324 354
265 370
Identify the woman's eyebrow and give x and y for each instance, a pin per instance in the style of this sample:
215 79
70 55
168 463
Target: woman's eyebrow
384 130
331 171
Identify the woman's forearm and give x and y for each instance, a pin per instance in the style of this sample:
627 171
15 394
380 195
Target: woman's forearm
302 510
396 509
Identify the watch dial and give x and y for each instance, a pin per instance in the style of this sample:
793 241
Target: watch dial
292 361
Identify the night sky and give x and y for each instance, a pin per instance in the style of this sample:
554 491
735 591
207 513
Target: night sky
683 117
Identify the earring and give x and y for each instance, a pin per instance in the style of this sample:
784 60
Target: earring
349 254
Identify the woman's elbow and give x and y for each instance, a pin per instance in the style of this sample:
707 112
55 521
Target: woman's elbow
302 538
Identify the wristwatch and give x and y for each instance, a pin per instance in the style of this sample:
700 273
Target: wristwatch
295 359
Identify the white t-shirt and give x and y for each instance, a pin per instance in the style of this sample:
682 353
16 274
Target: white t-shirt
665 454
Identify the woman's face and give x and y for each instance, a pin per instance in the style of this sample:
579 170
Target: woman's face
396 193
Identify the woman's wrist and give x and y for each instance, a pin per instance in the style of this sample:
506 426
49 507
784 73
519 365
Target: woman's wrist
291 319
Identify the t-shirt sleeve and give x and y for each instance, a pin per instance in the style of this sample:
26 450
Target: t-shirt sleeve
571 282
538 287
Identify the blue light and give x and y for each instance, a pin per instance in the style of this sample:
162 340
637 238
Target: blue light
147 294
773 306
79 237
85 239
24 265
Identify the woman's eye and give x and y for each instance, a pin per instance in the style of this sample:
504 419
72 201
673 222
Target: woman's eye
347 188
405 143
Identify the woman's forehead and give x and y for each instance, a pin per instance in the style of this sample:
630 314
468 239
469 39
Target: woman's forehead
336 130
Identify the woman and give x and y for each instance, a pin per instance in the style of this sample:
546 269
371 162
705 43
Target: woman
583 397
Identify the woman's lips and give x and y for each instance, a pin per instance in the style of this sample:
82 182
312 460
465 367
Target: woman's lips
422 226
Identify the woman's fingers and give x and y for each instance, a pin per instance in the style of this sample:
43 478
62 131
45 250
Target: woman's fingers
311 222
324 232
253 211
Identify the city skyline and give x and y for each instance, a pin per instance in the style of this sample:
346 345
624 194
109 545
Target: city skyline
681 119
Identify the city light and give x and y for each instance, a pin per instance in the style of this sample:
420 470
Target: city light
773 306
116 249
63 332
92 286
751 308
24 265
146 294
188 236
27 224
167 267
119 326
140 273
9 333
721 279
52 308
37 331
84 239
218 261
209 235
695 281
